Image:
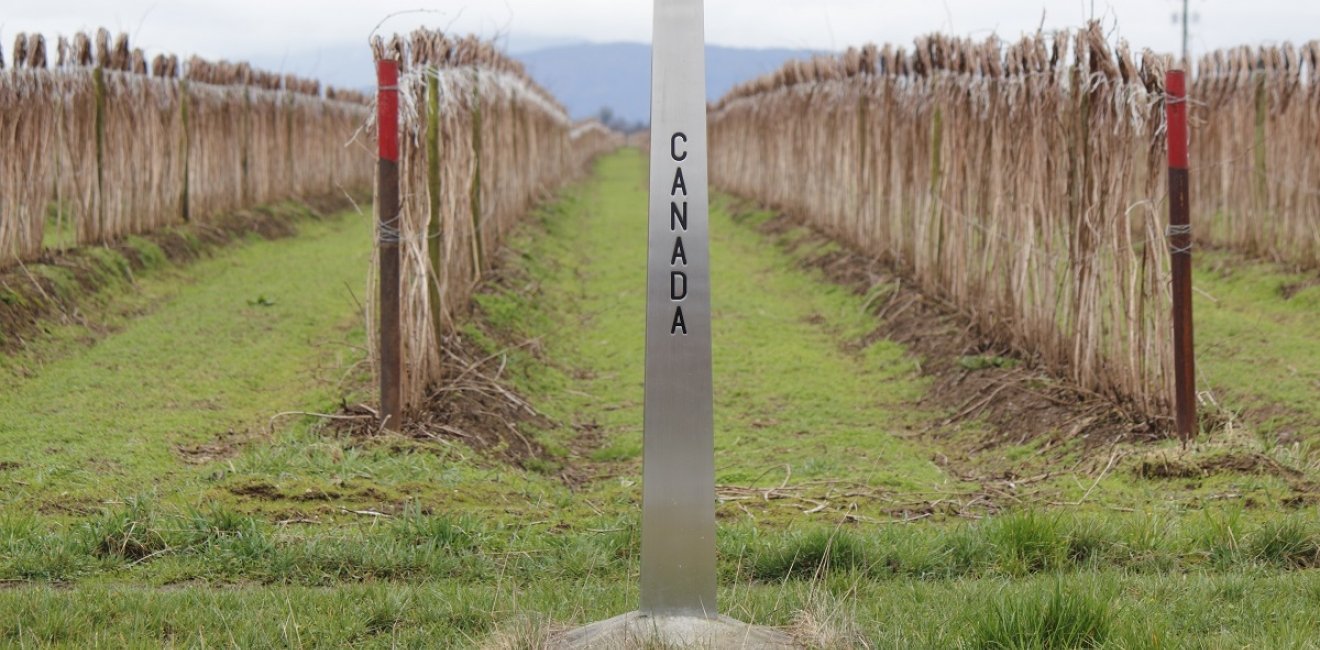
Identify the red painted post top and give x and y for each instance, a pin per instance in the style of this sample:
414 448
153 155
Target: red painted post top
387 109
1175 104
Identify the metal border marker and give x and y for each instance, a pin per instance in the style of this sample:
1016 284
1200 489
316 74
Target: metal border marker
678 458
678 476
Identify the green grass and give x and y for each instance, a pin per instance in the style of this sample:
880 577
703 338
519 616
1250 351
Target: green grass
198 368
131 516
464 579
1257 351
59 232
153 542
1062 617
1105 609
784 387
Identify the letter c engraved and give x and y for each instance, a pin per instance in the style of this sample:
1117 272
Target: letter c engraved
673 146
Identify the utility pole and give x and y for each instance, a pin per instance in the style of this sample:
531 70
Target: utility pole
1187 52
1186 18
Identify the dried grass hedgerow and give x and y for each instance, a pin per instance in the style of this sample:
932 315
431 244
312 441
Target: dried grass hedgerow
1020 184
104 145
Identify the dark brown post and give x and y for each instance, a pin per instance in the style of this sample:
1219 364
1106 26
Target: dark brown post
185 145
387 218
1180 244
1259 184
434 243
98 82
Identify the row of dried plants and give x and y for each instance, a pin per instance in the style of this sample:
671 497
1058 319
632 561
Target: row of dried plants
480 145
1021 183
100 144
1256 151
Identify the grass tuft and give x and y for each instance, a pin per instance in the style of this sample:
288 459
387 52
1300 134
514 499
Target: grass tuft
130 533
1029 542
434 533
809 555
1045 619
1291 543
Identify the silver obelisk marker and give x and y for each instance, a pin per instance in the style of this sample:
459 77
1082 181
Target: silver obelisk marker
678 475
678 462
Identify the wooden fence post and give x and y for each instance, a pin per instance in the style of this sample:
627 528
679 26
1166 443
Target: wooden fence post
434 233
387 232
98 123
244 146
290 165
478 246
1180 244
1262 108
185 144
936 176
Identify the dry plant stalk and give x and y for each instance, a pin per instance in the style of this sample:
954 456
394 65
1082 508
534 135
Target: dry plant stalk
105 144
1255 147
28 128
1020 184
480 143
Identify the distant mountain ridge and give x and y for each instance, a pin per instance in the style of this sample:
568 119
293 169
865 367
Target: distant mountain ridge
587 77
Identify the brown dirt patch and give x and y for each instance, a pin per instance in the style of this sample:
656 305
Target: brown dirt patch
1287 291
259 490
80 507
1175 467
338 490
1304 496
975 375
475 401
52 288
473 404
204 453
316 494
223 447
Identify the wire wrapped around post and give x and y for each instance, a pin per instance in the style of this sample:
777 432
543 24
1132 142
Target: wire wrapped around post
387 219
1180 248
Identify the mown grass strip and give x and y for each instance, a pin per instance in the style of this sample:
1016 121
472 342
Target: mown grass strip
203 357
144 540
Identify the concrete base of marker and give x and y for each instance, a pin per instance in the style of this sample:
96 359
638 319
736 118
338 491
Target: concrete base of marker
637 630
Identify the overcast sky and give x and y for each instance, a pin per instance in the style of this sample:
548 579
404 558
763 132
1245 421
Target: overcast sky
272 29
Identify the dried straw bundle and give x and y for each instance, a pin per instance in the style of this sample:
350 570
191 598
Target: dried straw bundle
348 96
116 146
269 136
215 142
480 144
26 125
141 170
1021 187
1255 151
